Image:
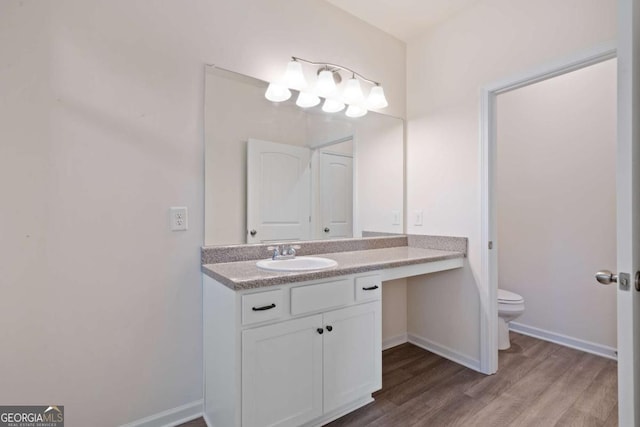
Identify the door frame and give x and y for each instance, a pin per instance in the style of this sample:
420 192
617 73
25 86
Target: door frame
488 217
628 218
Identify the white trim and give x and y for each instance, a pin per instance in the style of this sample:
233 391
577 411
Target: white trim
405 271
170 417
488 299
488 232
627 215
577 61
394 341
444 351
356 226
565 340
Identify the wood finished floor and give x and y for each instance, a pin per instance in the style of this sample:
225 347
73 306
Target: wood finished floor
538 384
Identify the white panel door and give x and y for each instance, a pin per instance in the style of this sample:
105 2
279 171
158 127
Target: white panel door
278 192
352 354
336 195
282 373
628 211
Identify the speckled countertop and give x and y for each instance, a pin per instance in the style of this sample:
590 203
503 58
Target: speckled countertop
241 275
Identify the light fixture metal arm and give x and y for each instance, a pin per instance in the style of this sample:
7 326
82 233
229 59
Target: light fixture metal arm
328 64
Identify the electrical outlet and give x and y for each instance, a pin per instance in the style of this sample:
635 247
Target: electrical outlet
178 218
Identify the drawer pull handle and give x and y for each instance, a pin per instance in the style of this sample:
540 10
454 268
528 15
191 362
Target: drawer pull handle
370 288
329 328
320 330
264 307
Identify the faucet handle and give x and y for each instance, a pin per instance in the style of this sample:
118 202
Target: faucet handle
275 249
289 249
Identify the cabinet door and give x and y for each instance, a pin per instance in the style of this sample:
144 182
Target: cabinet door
352 354
282 373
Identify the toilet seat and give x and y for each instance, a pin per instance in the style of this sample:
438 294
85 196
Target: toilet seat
507 297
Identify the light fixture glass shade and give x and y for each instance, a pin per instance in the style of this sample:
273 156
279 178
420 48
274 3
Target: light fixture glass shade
307 100
355 111
352 92
332 106
325 86
376 98
277 93
294 77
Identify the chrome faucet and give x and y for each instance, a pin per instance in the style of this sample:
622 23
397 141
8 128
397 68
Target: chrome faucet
286 252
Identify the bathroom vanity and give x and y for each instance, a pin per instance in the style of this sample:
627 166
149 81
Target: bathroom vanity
300 348
303 348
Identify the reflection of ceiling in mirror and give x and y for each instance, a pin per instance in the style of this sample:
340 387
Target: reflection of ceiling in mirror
236 110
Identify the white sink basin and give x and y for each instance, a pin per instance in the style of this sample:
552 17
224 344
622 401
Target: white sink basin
301 263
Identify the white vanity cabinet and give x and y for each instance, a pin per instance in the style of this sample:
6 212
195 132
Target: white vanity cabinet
291 355
282 373
352 354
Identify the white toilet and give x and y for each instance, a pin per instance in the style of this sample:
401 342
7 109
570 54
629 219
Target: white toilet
510 306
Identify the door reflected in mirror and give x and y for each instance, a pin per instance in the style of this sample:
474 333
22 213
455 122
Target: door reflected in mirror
276 172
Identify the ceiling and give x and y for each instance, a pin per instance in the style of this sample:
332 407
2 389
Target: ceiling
403 19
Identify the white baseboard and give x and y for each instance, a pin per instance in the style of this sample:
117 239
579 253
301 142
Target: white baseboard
394 341
445 352
206 420
170 417
578 344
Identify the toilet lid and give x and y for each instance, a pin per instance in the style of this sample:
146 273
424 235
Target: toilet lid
507 297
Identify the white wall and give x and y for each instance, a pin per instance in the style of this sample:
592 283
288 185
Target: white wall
379 164
446 68
556 195
101 130
394 311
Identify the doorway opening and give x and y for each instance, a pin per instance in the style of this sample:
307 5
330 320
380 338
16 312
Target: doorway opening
555 192
490 232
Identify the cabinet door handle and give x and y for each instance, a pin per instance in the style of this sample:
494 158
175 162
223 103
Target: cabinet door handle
264 307
320 330
370 288
329 328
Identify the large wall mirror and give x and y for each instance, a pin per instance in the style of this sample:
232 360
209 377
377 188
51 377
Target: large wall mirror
277 172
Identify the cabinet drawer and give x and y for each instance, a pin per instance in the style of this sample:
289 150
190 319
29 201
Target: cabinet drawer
261 306
305 299
368 287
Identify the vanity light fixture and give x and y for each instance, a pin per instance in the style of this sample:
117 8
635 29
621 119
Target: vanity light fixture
353 92
355 111
327 86
277 93
294 77
307 100
332 106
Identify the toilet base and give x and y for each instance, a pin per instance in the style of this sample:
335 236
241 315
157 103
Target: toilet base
503 335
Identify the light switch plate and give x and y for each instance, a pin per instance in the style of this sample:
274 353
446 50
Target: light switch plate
395 215
417 217
178 218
